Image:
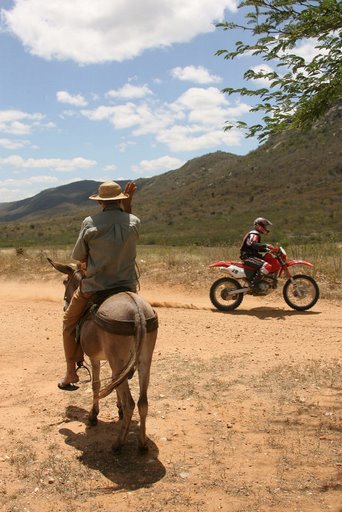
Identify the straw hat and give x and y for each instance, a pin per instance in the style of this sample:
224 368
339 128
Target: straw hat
109 191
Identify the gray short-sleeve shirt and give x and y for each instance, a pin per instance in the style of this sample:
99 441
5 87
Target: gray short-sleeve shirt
108 241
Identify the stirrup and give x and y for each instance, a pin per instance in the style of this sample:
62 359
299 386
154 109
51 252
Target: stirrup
82 364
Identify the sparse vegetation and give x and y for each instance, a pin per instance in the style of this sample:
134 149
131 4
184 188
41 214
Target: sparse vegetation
293 179
243 411
175 266
280 450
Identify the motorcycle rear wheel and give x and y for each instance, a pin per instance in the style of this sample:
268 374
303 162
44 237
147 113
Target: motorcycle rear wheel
218 294
301 295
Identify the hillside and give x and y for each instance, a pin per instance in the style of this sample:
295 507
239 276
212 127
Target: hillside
53 201
294 179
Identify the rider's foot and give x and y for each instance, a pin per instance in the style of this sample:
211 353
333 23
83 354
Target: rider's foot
70 378
256 279
68 381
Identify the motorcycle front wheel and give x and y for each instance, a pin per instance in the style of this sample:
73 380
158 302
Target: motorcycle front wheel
219 294
301 292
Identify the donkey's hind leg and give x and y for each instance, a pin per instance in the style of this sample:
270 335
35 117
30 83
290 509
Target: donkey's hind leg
95 382
119 406
144 368
127 406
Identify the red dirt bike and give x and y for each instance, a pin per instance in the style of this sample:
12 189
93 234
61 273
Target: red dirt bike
300 291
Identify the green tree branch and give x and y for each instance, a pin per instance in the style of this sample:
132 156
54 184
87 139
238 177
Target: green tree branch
305 90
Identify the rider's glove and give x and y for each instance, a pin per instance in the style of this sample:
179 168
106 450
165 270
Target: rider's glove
272 248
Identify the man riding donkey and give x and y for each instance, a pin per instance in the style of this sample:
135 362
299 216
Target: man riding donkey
106 250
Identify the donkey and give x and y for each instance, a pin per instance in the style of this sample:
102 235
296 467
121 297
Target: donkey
123 331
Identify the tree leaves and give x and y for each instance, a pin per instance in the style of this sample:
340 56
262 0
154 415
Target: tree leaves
303 90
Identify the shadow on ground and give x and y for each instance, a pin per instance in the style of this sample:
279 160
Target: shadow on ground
129 469
264 313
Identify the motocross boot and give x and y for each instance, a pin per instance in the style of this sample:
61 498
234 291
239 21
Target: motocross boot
256 278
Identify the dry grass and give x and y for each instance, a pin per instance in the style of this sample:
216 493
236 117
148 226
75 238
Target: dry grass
180 266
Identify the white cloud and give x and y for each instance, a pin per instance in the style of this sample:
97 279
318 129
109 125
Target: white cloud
16 189
308 49
192 138
123 146
129 91
194 121
110 168
68 114
100 113
15 128
209 107
157 166
77 100
90 32
12 143
195 74
264 68
28 181
16 122
201 98
10 116
128 115
57 164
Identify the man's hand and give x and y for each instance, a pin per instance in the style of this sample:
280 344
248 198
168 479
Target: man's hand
130 190
82 265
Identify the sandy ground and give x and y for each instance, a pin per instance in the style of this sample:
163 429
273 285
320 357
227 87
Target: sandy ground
245 411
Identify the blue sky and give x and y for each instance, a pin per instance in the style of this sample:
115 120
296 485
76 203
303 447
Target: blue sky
113 89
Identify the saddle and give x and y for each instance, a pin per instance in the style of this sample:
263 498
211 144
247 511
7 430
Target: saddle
120 327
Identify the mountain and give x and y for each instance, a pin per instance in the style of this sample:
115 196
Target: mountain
294 179
53 201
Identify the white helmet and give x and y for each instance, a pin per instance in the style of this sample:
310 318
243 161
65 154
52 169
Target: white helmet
261 224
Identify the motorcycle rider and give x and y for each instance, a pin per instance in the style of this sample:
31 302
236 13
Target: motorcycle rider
251 249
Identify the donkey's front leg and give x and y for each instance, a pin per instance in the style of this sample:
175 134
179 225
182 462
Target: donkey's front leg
95 382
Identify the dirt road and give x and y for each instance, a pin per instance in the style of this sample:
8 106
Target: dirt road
245 411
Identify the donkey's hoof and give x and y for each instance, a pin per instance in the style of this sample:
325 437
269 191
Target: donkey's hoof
143 448
92 421
116 447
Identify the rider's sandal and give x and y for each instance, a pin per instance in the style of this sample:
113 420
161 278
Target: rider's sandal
66 387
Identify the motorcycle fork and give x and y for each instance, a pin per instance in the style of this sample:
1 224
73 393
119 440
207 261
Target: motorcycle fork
296 289
287 272
289 276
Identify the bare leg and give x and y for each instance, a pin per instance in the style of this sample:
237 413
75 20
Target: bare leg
70 377
72 350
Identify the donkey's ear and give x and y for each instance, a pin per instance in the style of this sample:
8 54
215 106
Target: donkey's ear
65 269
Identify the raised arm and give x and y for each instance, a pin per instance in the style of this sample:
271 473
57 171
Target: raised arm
130 190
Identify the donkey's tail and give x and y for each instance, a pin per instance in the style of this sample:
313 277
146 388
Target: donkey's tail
139 334
123 375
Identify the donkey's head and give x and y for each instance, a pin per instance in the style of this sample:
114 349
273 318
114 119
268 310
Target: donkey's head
71 282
